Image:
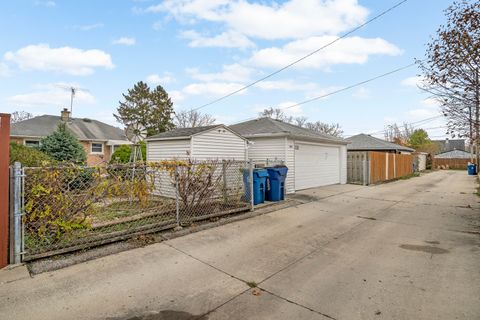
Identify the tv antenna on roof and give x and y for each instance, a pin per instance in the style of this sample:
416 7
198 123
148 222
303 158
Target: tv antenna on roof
73 90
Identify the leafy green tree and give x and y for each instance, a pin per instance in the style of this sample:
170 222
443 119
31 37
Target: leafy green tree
27 156
420 141
62 145
418 138
151 108
122 154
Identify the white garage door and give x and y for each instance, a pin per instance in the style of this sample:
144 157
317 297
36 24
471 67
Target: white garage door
316 166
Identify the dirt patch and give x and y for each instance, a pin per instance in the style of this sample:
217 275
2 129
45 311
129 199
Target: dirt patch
432 242
368 218
304 197
427 249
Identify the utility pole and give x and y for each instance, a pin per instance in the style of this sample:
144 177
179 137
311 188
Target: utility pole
477 117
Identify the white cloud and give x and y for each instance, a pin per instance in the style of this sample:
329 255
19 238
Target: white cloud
353 50
211 88
422 113
126 41
176 96
156 79
431 103
362 93
157 25
287 85
292 19
227 39
295 111
48 3
414 81
52 94
4 70
231 73
88 27
428 108
64 59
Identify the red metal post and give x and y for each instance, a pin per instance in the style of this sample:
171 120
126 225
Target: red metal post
4 185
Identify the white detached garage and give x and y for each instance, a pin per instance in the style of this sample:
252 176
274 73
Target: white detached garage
313 159
200 143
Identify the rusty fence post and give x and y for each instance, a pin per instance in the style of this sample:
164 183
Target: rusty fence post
4 187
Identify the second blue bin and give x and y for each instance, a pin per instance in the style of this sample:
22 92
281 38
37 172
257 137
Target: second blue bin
276 183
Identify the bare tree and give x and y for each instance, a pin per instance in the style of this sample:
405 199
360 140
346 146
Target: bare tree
192 118
398 134
276 113
333 129
452 70
18 116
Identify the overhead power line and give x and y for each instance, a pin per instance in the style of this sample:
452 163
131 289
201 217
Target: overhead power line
343 89
302 58
349 87
415 123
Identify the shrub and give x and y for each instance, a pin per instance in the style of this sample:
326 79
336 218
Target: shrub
62 145
27 156
122 154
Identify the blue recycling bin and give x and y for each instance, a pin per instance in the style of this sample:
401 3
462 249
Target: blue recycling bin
259 185
472 169
276 183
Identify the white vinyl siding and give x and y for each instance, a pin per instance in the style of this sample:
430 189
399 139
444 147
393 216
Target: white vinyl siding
267 148
316 165
290 163
166 150
276 148
343 164
219 143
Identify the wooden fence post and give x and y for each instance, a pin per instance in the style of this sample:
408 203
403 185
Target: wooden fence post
4 186
386 166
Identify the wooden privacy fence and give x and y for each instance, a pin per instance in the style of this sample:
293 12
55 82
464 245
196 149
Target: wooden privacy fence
453 163
370 167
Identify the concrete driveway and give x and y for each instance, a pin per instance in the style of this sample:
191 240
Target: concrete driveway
403 250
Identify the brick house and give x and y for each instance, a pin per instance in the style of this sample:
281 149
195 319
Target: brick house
97 138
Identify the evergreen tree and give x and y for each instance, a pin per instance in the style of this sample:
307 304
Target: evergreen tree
62 145
151 108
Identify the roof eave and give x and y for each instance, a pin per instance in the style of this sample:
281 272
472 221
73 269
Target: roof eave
299 137
169 138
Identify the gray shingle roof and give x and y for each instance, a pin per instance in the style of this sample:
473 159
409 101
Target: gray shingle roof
83 129
365 142
450 144
264 127
454 154
182 132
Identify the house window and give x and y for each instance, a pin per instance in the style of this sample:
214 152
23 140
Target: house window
32 143
97 147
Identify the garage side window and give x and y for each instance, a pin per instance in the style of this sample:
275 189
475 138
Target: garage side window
97 148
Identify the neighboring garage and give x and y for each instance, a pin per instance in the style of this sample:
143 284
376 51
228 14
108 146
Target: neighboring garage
199 143
313 159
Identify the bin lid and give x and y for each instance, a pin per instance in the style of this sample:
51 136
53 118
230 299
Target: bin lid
281 170
260 173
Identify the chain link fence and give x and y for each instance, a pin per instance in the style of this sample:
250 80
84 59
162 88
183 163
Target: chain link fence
67 208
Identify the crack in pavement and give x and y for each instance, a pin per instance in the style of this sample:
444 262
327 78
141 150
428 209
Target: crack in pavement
321 247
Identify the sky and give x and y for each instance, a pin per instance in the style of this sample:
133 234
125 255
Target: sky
200 50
